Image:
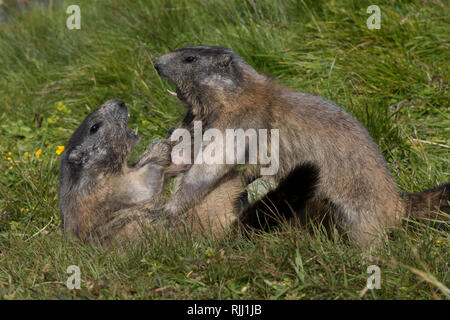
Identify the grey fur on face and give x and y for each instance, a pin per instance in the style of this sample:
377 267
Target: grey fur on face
103 140
196 71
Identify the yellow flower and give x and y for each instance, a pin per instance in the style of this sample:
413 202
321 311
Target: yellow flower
9 159
27 154
61 107
12 167
38 153
59 150
53 120
9 153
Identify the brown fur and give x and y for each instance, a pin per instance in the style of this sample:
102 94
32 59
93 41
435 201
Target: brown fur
427 205
224 92
102 198
213 216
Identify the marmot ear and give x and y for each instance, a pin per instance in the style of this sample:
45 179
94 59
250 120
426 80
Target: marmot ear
225 59
75 157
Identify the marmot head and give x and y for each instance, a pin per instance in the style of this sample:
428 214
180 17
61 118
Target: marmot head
201 74
101 143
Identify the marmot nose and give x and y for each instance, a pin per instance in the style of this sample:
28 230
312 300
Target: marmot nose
157 67
119 103
158 64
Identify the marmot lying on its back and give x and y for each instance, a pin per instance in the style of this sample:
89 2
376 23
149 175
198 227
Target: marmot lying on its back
101 197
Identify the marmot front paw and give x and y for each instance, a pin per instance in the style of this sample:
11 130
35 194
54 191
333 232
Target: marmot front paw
158 152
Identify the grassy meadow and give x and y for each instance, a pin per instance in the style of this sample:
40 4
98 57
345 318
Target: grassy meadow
395 80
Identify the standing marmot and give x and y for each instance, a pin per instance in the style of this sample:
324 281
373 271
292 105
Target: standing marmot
225 92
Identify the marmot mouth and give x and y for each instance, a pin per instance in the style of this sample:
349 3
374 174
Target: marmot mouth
177 93
132 134
172 92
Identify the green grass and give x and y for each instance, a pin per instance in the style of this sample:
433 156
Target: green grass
320 47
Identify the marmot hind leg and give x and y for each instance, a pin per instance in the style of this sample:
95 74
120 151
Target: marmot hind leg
366 228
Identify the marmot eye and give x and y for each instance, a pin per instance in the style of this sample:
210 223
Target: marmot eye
190 59
95 128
